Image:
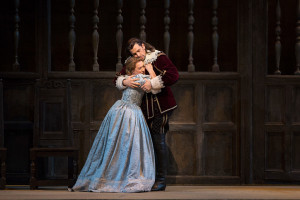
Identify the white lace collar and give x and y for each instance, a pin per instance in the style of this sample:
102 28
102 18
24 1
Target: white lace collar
151 56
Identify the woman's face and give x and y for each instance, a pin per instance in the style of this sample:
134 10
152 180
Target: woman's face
139 68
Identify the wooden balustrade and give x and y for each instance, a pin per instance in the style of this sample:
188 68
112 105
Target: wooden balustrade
141 24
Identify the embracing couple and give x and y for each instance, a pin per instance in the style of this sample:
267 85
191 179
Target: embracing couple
129 153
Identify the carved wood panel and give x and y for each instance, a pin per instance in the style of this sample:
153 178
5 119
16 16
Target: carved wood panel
79 104
295 152
104 94
185 98
221 129
18 128
52 114
296 105
204 131
281 137
182 147
219 103
274 155
275 104
218 155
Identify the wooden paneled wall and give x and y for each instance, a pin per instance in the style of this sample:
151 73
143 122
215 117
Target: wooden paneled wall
275 91
237 118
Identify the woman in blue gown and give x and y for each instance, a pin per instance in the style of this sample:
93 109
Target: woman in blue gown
121 158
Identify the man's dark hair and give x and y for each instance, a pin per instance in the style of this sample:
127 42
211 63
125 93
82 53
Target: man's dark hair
132 41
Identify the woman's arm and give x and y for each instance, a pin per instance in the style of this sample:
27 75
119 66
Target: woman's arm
149 68
156 81
155 84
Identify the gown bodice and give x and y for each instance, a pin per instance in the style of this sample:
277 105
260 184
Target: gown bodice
135 95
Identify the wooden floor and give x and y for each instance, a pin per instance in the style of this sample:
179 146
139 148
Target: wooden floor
172 192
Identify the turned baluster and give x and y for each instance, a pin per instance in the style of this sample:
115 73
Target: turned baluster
16 65
297 45
72 36
215 37
95 36
190 37
167 22
277 42
143 20
119 35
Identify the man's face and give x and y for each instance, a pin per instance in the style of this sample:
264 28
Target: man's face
138 51
139 68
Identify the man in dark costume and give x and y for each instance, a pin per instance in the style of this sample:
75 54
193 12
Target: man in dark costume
158 107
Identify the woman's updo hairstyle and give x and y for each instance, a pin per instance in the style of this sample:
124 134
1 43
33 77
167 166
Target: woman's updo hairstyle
130 64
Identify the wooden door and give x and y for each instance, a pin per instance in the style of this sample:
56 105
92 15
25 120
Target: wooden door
276 91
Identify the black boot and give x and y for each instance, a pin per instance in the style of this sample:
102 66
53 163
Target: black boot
161 161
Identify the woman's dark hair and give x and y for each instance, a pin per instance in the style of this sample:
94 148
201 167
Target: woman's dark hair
131 64
132 41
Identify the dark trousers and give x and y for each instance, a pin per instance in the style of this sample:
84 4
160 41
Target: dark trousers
159 126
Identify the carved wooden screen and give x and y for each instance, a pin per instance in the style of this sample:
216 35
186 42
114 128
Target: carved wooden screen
276 89
238 112
52 120
199 37
208 41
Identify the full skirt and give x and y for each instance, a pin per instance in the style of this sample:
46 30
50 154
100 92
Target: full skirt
121 158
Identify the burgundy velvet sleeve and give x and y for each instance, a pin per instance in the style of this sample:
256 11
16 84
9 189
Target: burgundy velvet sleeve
171 74
122 72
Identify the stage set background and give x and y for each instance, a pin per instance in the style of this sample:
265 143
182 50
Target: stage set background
238 95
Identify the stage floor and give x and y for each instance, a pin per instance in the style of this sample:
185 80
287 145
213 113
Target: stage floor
172 192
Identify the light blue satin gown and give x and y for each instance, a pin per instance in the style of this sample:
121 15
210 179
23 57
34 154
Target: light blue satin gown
121 158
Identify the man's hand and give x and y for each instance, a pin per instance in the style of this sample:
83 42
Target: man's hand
130 82
147 86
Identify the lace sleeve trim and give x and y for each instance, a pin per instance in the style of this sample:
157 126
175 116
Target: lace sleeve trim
157 82
119 83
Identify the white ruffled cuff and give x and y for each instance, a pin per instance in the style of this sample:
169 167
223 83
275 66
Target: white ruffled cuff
119 83
157 83
155 91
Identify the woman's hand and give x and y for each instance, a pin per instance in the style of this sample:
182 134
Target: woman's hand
147 85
